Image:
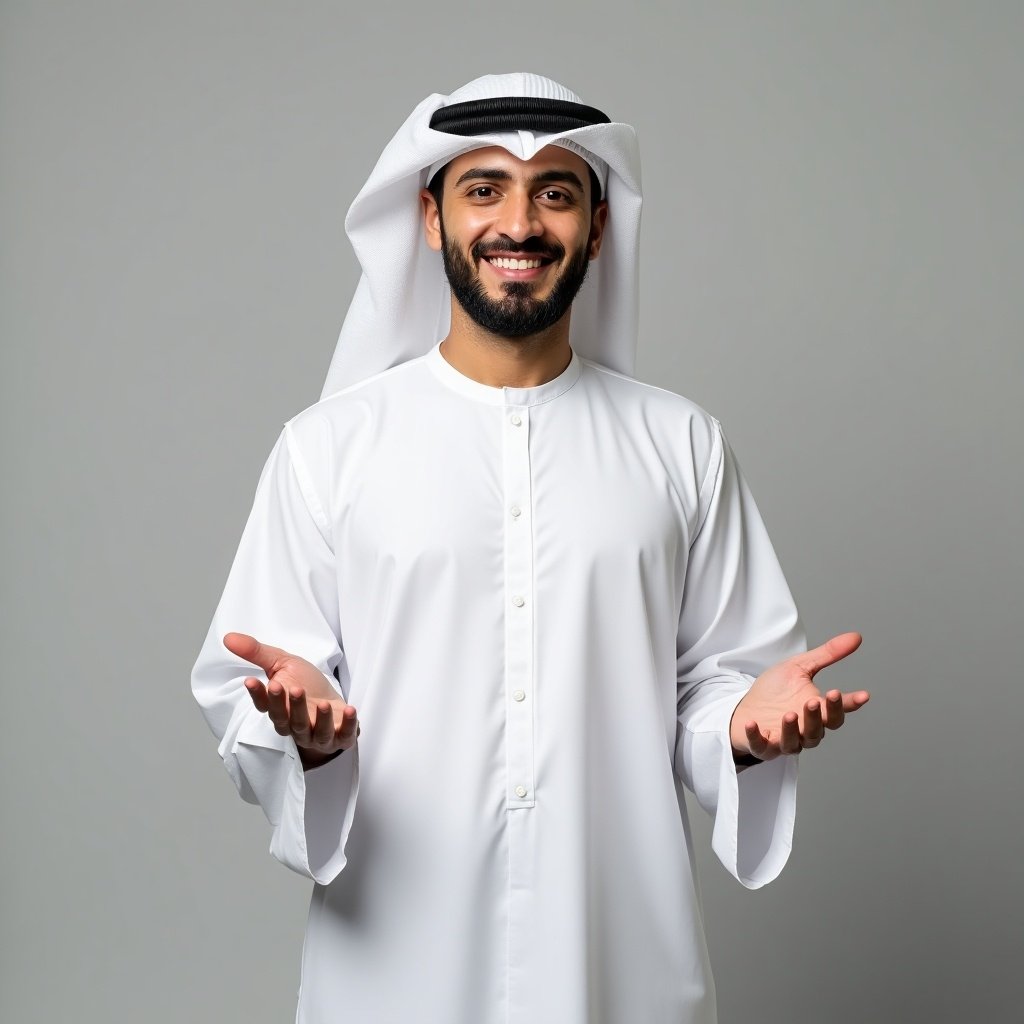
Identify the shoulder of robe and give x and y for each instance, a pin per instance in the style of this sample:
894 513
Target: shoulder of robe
350 407
338 431
679 421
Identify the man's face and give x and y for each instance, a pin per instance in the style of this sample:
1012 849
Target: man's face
516 236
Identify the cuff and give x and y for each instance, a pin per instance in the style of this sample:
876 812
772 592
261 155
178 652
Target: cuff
311 811
754 811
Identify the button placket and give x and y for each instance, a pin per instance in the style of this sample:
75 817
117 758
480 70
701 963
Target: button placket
519 615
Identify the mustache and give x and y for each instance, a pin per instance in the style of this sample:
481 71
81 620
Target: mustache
533 246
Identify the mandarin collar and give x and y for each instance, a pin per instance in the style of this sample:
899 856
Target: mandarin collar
466 386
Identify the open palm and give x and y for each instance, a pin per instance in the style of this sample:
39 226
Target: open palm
784 712
298 699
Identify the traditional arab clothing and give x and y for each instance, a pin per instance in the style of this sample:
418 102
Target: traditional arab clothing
545 603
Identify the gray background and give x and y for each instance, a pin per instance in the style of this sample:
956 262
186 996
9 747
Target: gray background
832 264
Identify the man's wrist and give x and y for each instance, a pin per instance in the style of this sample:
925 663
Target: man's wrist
314 758
746 760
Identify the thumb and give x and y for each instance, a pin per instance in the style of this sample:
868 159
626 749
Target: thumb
829 652
248 648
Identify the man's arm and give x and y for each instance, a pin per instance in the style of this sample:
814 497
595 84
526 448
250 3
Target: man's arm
737 618
282 589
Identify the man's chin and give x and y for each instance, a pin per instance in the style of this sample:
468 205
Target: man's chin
516 304
497 289
503 291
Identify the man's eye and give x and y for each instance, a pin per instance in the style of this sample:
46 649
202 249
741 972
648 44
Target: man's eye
482 191
556 195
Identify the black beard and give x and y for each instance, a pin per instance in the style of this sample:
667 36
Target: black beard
518 315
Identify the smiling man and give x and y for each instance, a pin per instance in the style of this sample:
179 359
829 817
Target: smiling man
545 586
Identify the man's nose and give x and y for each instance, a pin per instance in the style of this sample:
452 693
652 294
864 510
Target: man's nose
519 217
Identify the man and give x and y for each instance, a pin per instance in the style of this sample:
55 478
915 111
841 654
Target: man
544 585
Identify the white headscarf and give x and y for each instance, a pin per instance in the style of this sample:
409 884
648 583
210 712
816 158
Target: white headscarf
402 303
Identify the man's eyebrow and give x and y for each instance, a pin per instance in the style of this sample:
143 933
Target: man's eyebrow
550 177
500 174
492 173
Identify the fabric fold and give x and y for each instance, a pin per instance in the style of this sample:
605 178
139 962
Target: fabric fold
753 810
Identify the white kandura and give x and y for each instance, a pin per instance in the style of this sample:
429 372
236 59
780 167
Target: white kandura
545 603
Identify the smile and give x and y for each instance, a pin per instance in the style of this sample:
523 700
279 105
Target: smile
523 268
513 264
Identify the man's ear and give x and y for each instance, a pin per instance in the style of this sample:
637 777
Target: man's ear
597 222
431 220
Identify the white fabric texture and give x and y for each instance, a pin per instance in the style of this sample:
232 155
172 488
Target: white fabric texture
545 632
402 303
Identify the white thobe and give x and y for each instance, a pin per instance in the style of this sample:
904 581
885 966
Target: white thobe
545 603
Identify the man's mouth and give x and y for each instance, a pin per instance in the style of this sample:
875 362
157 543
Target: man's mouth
517 268
516 264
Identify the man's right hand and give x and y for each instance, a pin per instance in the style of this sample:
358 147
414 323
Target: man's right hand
298 699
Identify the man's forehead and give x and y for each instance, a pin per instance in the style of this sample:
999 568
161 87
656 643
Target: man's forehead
549 158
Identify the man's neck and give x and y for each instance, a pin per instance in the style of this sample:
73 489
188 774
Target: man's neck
506 362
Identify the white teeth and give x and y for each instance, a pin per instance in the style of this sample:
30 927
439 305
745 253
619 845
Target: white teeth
514 264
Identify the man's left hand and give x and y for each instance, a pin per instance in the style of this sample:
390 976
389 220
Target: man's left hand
783 712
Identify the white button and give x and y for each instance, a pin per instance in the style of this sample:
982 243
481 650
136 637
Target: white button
515 419
520 791
519 601
518 695
516 511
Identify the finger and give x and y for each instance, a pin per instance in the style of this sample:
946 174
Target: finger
829 652
757 741
258 693
349 726
814 727
250 649
856 699
298 714
277 708
323 731
789 741
834 713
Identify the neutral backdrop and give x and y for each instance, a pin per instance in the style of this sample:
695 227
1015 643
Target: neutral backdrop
832 264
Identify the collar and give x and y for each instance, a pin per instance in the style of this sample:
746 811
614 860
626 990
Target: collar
474 389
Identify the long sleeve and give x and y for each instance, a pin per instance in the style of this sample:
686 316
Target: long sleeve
282 589
737 619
